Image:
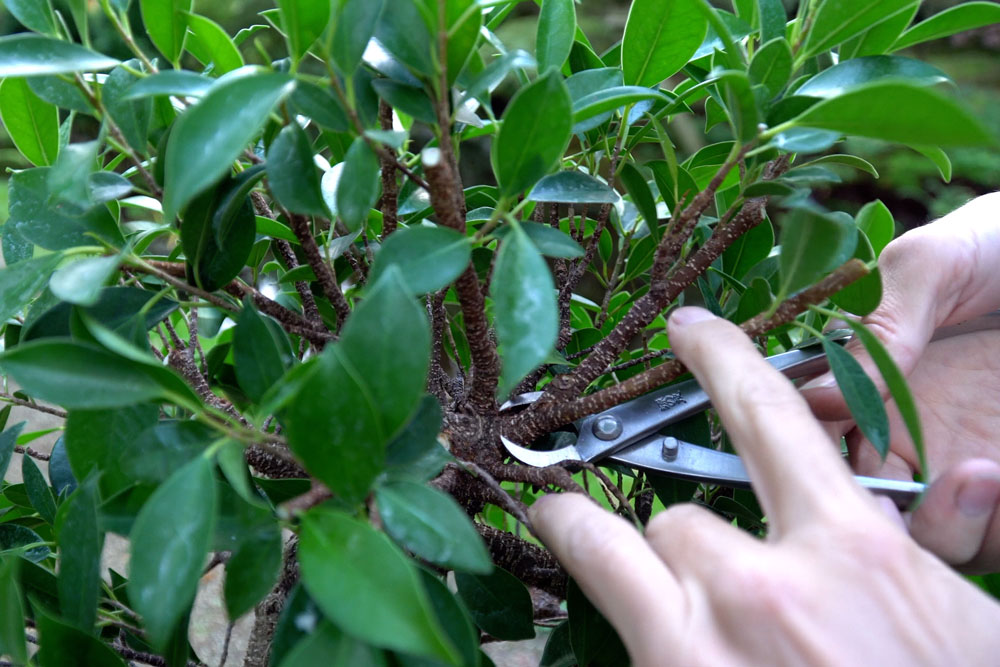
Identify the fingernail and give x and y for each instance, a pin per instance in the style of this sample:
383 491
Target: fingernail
822 382
978 497
689 315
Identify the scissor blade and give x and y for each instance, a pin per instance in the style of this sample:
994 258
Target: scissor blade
541 459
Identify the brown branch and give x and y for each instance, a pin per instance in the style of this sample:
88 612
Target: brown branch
390 190
31 452
613 491
14 400
528 562
437 379
508 503
324 273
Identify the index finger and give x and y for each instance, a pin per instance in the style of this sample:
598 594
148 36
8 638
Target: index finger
795 468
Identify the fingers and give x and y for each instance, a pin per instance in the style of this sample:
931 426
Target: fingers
958 518
695 542
614 566
796 471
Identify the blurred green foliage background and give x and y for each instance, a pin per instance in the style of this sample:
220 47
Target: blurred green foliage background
909 184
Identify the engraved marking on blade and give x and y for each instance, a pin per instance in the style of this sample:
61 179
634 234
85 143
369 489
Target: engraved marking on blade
669 401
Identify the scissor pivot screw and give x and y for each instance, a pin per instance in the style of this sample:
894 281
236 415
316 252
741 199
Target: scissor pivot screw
607 427
670 449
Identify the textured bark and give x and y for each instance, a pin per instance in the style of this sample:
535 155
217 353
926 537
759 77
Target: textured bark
390 191
324 273
269 609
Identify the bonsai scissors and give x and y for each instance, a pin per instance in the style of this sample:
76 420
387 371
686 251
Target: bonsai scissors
630 433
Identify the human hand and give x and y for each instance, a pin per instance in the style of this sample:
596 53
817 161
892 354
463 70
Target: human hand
934 276
836 581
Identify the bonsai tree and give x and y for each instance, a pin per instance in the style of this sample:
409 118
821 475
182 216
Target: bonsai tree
254 275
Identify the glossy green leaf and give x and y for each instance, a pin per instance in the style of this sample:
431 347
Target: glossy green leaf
60 473
876 221
404 28
572 187
328 645
304 21
772 19
964 16
209 136
812 245
63 644
210 44
131 116
252 572
216 252
524 305
365 585
25 54
431 525
14 539
362 390
898 388
12 642
748 250
411 100
864 294
550 241
35 15
32 123
754 300
499 604
771 66
852 73
169 82
38 490
464 20
261 352
81 282
849 160
938 157
836 21
609 99
353 24
8 440
642 196
454 619
428 258
358 186
415 452
878 39
741 105
806 140
556 27
593 639
20 282
861 396
80 542
535 132
292 174
320 105
660 38
166 25
68 178
895 111
169 540
163 448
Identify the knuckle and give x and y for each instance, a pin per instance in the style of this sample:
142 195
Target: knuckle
675 523
763 588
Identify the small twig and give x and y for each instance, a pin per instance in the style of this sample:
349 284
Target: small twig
225 644
614 492
13 400
31 452
316 494
644 359
511 505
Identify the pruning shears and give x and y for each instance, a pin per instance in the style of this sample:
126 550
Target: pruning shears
631 434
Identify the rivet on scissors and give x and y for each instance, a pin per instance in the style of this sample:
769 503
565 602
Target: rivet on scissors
670 449
607 427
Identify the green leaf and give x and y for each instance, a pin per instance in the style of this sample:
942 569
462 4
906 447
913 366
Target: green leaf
610 99
876 221
535 132
898 388
170 538
212 45
593 639
556 27
261 352
938 157
25 54
304 21
463 20
453 617
879 39
849 160
80 543
12 642
38 490
836 21
131 116
901 112
320 105
415 452
864 294
428 258
252 572
637 187
754 300
292 173
861 396
772 19
20 282
216 249
81 376
62 644
8 439
354 24
771 66
965 16
805 140
572 187
97 440
550 241
362 390
431 525
32 123
328 645
163 448
660 38
812 245
81 281
35 15
524 304
367 587
411 100
499 603
852 73
14 538
209 136
169 82
358 186
166 25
